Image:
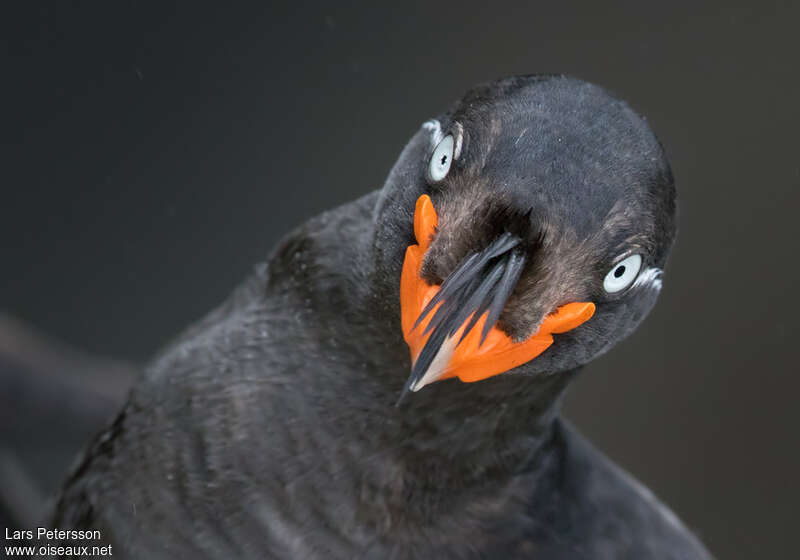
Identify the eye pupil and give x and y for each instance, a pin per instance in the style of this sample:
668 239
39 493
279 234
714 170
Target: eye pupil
441 159
623 274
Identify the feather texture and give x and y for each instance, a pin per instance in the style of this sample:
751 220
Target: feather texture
481 283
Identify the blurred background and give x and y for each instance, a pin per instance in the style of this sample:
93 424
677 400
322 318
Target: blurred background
154 152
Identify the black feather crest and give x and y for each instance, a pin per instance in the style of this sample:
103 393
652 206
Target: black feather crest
482 282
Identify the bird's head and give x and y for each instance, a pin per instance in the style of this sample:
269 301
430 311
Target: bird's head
525 230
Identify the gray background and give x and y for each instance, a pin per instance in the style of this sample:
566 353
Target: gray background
153 153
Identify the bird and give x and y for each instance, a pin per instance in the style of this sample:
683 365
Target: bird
389 382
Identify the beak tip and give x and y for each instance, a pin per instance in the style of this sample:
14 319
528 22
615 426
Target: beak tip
416 386
411 386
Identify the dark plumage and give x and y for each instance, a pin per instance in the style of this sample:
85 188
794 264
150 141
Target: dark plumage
269 428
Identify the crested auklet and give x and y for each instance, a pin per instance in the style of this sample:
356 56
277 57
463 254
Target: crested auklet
518 236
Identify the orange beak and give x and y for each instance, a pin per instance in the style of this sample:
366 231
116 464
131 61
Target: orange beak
469 359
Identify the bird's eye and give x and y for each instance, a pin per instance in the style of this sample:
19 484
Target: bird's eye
623 274
441 159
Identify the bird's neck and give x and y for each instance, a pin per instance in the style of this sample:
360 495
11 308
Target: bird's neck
496 428
447 433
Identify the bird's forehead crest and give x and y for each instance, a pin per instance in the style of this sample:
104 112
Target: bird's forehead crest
451 327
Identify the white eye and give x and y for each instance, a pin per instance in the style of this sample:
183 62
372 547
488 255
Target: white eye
623 274
441 159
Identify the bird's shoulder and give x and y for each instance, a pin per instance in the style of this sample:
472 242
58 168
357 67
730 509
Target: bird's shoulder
599 511
210 418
